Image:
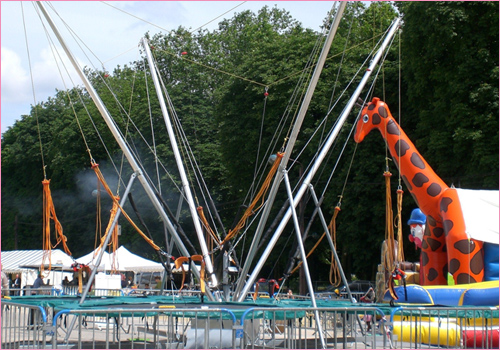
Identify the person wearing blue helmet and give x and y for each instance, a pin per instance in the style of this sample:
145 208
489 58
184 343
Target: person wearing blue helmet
417 227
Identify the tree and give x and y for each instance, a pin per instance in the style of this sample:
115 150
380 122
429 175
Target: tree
451 72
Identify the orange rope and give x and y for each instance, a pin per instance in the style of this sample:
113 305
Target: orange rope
334 269
399 225
95 166
260 196
49 212
206 225
98 222
179 264
389 229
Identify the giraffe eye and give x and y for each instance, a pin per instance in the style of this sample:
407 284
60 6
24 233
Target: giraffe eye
366 118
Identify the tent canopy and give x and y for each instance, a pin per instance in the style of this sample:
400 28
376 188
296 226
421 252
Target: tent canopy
480 209
123 260
16 261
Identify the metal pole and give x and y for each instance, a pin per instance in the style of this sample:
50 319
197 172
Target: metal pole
180 166
332 246
118 137
319 160
108 238
304 258
289 147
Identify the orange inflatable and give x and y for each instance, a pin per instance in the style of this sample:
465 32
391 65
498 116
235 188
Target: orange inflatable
446 247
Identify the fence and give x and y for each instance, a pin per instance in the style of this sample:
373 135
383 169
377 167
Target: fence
176 327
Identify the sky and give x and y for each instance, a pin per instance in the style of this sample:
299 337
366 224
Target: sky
111 30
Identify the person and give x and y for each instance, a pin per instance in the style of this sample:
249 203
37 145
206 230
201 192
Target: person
5 284
66 281
369 297
158 282
124 281
146 286
17 282
290 293
17 285
38 282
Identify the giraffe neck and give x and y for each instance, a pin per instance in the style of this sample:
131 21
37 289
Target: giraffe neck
423 183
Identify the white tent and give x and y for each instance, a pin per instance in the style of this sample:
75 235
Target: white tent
480 208
27 263
123 260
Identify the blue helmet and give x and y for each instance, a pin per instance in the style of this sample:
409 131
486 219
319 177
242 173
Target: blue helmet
417 217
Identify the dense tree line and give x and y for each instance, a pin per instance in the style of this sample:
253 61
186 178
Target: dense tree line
447 53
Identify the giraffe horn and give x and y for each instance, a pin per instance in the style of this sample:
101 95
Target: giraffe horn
361 103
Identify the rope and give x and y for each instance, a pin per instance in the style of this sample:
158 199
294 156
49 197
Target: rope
260 139
97 171
389 258
49 213
260 196
33 92
98 221
334 268
206 225
399 226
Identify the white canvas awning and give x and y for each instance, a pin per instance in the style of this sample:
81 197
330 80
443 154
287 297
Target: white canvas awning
480 209
124 260
16 261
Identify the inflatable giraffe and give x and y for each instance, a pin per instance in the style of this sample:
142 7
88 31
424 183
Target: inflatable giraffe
446 247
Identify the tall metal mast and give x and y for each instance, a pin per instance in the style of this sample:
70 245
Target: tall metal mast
321 156
178 159
289 147
119 139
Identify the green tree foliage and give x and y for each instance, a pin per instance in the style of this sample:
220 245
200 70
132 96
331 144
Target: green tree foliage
450 64
216 83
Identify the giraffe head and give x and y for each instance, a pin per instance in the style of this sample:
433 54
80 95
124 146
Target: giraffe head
372 116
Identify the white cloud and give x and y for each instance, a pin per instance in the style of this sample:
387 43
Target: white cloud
15 79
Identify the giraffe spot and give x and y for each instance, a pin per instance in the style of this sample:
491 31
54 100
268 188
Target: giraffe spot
425 258
376 119
408 184
437 231
427 231
419 179
425 245
445 202
401 147
454 265
445 270
432 275
417 161
477 263
431 221
383 112
447 225
433 190
465 278
371 106
465 246
392 128
433 243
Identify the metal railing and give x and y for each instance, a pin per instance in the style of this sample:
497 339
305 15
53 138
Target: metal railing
175 326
